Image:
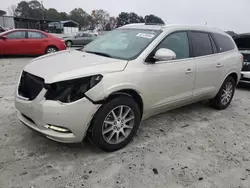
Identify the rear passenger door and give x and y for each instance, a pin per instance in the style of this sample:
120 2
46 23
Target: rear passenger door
36 42
209 68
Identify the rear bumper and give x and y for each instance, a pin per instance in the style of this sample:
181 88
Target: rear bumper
40 113
245 77
62 46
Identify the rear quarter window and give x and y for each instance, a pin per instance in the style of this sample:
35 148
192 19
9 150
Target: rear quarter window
224 43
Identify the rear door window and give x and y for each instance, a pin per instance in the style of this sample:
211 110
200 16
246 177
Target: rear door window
35 35
86 35
201 43
224 42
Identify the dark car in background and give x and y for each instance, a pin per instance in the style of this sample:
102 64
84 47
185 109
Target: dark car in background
29 42
79 39
243 43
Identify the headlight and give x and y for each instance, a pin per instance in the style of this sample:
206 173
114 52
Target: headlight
71 90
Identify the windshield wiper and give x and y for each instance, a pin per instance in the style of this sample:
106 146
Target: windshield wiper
99 53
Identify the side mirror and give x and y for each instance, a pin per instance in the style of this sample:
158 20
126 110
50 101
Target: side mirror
164 54
4 37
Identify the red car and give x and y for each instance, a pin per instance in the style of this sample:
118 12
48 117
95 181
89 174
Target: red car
29 42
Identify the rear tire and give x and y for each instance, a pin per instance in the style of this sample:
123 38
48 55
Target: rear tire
225 95
51 49
68 43
115 124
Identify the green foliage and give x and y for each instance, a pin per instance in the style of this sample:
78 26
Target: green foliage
23 9
122 19
153 19
99 18
129 18
80 16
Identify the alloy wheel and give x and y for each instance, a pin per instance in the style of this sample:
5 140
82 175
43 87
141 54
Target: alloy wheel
227 93
51 50
118 124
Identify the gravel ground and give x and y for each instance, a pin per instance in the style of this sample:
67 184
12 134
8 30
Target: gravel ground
194 146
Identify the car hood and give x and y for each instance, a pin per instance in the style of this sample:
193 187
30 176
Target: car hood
67 65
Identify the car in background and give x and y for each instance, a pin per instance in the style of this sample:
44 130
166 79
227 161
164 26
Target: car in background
29 42
95 32
79 39
243 43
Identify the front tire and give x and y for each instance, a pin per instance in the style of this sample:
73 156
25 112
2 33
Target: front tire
225 95
115 124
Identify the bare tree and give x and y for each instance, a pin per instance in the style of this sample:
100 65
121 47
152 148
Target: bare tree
12 10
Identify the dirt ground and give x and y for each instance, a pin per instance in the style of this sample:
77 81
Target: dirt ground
194 146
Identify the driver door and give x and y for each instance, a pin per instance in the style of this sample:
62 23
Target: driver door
172 82
15 43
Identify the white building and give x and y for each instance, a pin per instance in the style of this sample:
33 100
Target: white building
65 27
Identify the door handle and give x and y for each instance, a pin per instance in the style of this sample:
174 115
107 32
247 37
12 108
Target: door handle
219 65
189 71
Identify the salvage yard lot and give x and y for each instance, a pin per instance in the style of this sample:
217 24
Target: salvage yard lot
194 146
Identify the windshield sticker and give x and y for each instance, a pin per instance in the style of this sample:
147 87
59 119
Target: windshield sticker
145 35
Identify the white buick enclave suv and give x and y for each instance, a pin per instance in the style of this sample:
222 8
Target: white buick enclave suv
106 89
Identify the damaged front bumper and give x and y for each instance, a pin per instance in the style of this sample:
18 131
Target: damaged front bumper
58 121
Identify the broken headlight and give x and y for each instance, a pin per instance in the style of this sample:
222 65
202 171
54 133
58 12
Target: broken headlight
71 90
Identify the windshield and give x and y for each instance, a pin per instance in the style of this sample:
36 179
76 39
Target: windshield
124 44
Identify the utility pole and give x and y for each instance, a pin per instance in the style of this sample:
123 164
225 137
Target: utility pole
42 10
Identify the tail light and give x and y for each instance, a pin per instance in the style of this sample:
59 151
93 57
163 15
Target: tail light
242 59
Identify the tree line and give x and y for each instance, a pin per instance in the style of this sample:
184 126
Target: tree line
99 18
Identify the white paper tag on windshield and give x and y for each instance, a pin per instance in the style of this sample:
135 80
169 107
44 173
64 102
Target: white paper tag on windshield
145 35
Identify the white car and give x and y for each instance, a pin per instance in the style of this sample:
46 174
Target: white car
243 43
131 73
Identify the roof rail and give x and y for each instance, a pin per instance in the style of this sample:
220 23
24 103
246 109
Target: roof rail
154 24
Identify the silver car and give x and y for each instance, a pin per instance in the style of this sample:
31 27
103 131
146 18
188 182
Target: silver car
79 39
129 74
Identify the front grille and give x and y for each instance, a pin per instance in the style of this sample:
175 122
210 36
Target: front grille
30 86
246 63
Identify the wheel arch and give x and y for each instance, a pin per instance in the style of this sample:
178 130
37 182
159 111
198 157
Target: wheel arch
69 40
51 45
121 92
234 75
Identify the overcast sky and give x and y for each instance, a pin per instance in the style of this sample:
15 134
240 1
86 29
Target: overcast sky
224 14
